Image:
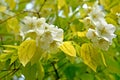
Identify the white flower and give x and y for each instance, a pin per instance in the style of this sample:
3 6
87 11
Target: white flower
29 22
102 35
91 34
51 38
56 32
48 37
96 13
39 22
97 40
105 31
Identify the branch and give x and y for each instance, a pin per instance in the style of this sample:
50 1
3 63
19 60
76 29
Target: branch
38 12
10 73
17 15
11 17
42 6
56 72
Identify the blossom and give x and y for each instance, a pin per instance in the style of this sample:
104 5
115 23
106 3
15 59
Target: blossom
106 31
96 13
48 37
98 40
102 33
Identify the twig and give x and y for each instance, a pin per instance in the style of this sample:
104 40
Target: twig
42 6
38 12
17 15
56 72
11 17
10 73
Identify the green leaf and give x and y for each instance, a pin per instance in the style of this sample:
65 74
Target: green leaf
29 71
89 56
39 52
40 71
26 51
4 57
68 48
70 72
113 65
14 57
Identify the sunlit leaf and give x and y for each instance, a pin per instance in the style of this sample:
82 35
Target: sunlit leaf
111 21
89 56
115 9
11 3
10 46
68 48
61 3
2 8
13 24
81 34
26 51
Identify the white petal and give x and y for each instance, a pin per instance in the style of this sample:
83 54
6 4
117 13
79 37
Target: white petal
91 34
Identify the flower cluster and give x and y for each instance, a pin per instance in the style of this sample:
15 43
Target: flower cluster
47 36
102 33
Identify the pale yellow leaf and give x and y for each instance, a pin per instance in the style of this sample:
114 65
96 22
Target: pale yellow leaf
13 24
2 8
89 56
68 48
26 51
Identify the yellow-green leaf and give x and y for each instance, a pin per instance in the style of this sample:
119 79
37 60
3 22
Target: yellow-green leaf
26 51
103 59
39 52
40 71
61 3
111 21
4 57
68 48
13 24
115 9
2 8
10 46
11 3
89 56
81 34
